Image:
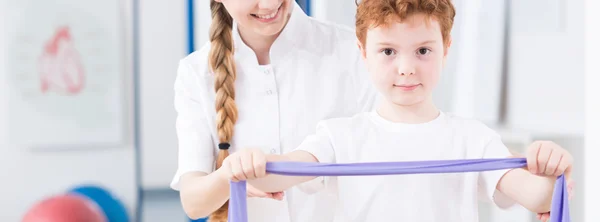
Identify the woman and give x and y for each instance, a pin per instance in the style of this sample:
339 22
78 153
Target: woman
268 75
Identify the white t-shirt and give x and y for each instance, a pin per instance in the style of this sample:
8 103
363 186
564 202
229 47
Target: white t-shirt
315 73
368 137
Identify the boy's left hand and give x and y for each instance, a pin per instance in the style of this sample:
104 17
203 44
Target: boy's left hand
546 158
545 217
549 159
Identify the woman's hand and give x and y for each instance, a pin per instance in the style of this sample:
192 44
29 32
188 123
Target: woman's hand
253 192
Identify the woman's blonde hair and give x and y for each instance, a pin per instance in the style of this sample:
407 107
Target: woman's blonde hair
221 63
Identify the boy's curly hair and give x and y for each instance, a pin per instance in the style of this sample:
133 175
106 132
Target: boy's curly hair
373 13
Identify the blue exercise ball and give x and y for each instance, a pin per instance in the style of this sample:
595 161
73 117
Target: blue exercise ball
113 208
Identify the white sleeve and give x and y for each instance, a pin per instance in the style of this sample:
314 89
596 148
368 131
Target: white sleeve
196 150
320 146
488 180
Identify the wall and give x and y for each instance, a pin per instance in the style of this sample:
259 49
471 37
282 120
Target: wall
546 66
28 176
163 32
592 108
344 12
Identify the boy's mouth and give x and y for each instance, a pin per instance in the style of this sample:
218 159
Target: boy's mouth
268 17
406 87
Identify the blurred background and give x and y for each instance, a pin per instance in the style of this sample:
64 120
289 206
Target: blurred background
107 130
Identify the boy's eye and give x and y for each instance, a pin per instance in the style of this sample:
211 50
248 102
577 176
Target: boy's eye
423 51
388 52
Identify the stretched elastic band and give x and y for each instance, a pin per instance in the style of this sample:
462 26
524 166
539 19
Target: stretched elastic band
238 206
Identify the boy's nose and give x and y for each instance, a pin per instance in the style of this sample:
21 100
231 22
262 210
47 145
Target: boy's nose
406 68
406 73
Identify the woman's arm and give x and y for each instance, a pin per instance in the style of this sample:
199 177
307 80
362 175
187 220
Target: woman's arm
202 194
202 190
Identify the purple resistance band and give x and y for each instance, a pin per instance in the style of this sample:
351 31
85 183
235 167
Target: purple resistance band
237 202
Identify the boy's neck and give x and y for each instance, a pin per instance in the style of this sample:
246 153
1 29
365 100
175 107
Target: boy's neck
260 44
414 114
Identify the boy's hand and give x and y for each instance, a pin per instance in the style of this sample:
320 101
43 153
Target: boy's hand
545 217
546 158
245 164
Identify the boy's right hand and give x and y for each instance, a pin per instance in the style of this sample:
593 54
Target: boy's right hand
245 164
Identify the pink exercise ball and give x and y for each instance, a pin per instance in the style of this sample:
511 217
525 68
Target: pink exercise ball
64 208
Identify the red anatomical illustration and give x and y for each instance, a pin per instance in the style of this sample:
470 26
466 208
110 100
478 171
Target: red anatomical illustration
61 69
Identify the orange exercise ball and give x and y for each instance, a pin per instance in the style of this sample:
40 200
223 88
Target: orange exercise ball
64 208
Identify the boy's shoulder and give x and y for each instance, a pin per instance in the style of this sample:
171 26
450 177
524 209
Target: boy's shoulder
469 126
356 121
456 122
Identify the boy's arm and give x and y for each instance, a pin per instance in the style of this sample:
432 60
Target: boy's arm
507 187
530 191
276 183
315 148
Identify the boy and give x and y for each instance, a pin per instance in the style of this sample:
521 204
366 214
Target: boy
405 44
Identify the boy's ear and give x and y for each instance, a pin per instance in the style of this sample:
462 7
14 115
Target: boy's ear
447 48
363 52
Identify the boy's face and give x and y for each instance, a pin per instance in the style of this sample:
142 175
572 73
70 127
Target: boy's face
405 59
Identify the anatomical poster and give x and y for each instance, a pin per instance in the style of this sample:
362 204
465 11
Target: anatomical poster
66 73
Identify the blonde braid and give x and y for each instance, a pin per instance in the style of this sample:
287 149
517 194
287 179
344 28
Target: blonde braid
222 64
